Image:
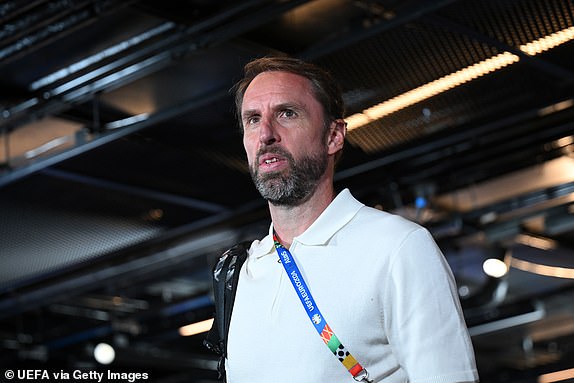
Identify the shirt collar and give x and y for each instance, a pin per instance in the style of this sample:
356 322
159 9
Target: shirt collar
339 212
260 248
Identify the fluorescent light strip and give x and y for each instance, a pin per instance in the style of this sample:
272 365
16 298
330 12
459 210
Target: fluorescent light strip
196 328
536 242
556 376
455 79
548 42
545 270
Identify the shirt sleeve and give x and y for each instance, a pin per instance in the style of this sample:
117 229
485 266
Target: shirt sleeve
423 316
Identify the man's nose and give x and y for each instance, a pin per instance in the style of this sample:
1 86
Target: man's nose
267 132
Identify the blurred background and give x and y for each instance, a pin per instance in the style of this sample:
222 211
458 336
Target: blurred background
122 173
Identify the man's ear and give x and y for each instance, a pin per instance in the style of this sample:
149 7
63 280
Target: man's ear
337 132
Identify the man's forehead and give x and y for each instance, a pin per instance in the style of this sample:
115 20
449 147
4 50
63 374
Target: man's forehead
281 87
279 80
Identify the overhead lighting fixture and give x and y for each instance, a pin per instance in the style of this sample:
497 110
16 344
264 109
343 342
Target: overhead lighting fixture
565 141
431 89
47 147
196 328
535 241
557 107
104 353
494 267
127 121
455 79
557 376
540 269
551 41
566 145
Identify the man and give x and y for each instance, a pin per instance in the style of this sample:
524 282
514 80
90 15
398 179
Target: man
380 280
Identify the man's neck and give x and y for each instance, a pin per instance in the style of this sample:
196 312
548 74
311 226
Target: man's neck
291 221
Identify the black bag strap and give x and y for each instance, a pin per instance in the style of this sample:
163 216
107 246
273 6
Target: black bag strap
225 279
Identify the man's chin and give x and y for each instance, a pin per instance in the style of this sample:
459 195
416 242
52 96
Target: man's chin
274 191
285 196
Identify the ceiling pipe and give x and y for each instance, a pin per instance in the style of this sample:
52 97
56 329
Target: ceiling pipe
148 59
50 22
93 82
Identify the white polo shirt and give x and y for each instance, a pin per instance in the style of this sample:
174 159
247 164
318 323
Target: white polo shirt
383 287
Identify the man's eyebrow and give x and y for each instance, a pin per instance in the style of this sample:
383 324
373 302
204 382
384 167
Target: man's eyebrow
288 105
279 107
248 113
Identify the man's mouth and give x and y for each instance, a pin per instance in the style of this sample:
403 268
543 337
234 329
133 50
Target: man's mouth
272 161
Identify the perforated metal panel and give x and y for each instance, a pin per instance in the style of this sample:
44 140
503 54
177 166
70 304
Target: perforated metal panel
38 242
467 32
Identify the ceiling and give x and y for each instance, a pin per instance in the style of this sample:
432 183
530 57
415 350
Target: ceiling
122 173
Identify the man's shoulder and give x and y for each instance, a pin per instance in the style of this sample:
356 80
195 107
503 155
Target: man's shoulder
383 220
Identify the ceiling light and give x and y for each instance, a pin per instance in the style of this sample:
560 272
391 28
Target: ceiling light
495 267
455 79
538 242
196 328
431 89
538 46
104 353
565 141
540 269
47 147
556 376
127 121
566 145
557 107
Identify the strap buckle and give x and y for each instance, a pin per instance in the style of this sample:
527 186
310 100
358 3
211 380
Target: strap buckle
363 376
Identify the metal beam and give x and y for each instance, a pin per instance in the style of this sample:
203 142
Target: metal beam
149 59
138 261
434 145
78 89
411 14
46 23
137 191
127 128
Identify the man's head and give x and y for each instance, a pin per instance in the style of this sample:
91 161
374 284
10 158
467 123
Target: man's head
293 131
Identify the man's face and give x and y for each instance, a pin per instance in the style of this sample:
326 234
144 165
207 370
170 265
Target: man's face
284 137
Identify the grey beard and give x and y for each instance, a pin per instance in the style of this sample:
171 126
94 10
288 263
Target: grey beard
293 186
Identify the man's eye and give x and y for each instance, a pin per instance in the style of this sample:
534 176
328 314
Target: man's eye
288 113
252 120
